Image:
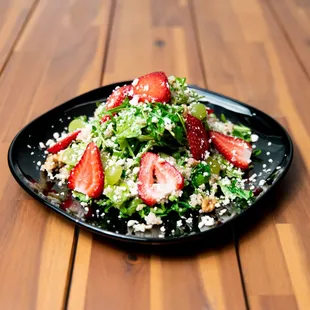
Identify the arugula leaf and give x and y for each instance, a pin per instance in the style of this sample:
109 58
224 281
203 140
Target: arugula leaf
243 132
200 174
223 118
232 191
81 197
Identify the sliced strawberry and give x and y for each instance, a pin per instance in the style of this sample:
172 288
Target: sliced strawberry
105 118
157 179
118 96
63 143
209 110
235 150
87 177
152 87
197 137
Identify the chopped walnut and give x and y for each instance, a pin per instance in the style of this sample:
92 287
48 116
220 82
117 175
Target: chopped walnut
208 205
52 162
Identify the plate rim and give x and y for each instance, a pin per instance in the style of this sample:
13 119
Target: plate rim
139 239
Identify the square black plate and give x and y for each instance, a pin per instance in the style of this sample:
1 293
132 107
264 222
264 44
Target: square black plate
24 153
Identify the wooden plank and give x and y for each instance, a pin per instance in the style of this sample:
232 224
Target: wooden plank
148 36
294 19
59 56
246 56
14 15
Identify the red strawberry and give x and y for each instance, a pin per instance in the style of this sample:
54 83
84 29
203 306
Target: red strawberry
197 137
87 177
152 87
157 179
105 118
63 143
235 150
118 95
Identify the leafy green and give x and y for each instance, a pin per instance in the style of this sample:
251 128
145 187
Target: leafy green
81 197
243 132
223 118
200 174
256 152
232 191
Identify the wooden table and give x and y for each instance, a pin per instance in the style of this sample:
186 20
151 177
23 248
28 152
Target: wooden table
254 50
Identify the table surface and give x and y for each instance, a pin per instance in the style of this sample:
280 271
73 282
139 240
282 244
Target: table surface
256 51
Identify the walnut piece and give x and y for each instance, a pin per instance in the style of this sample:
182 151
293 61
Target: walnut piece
208 205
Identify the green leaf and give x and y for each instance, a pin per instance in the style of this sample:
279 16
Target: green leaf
81 197
243 132
200 174
256 152
232 191
223 118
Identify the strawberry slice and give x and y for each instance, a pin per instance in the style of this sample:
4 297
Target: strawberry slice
87 177
157 179
152 87
118 95
235 150
105 118
197 137
63 143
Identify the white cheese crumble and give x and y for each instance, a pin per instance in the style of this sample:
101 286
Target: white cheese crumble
254 138
206 221
152 219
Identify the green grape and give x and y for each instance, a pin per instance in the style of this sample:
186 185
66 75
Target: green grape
113 174
215 166
68 157
76 124
199 110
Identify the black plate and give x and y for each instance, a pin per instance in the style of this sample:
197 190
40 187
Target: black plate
24 153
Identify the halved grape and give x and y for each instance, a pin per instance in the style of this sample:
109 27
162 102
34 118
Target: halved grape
199 111
68 157
113 174
215 166
76 124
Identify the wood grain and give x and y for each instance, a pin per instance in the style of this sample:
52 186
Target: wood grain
14 15
247 56
294 18
162 38
59 55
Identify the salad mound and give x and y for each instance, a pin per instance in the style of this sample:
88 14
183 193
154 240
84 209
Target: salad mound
152 152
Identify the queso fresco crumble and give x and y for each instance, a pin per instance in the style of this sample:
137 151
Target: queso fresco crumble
152 150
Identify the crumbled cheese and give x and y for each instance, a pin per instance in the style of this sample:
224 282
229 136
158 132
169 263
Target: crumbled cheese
141 227
132 223
254 138
206 221
195 200
162 228
222 212
189 220
269 143
135 82
85 134
41 145
179 223
152 219
270 160
268 153
56 135
261 182
39 163
140 207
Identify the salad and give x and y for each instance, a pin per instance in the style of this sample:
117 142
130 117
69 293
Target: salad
152 153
